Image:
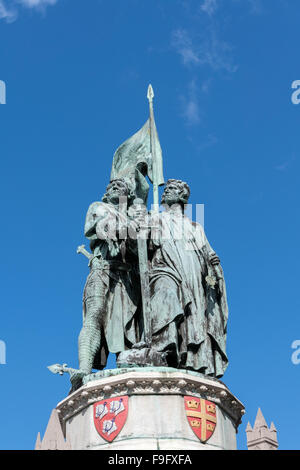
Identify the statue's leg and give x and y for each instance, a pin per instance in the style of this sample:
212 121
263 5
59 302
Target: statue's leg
89 342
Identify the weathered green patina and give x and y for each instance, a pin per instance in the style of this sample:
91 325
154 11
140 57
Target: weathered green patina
155 295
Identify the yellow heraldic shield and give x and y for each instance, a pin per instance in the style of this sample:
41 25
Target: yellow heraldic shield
202 416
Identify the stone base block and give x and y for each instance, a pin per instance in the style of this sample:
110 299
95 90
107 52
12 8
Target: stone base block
155 415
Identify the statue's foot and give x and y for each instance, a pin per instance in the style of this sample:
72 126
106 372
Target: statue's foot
76 379
141 357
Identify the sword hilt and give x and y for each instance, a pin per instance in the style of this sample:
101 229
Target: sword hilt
81 249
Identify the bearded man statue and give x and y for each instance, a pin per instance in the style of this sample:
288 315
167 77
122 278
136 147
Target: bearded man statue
188 295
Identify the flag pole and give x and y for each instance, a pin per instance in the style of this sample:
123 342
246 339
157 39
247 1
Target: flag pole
150 96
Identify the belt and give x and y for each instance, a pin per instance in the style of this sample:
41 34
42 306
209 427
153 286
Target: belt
98 263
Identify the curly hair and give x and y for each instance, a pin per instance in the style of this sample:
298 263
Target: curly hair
184 189
130 192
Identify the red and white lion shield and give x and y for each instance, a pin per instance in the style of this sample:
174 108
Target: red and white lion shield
110 416
202 416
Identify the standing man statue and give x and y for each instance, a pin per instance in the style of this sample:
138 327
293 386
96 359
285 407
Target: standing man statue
188 296
111 295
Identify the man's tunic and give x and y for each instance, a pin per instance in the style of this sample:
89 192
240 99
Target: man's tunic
189 307
112 282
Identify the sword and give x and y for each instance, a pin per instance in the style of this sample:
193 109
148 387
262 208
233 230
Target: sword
61 369
76 375
81 249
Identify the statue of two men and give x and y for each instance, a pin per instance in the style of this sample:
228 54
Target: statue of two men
188 295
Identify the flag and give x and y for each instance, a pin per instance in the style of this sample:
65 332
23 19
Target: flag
134 160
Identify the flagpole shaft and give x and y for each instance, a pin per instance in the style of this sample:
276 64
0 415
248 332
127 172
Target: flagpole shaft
154 161
145 287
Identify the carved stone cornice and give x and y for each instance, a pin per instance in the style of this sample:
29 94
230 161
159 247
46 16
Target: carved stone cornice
141 382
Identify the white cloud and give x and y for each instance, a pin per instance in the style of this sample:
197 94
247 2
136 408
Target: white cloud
9 8
37 3
208 50
208 141
255 6
209 6
9 14
217 53
190 105
182 42
191 112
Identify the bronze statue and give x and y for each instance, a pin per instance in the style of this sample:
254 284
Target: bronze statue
110 296
188 296
155 295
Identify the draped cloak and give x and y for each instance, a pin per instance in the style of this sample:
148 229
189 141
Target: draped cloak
111 282
192 311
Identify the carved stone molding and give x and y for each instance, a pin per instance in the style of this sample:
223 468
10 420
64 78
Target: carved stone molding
141 382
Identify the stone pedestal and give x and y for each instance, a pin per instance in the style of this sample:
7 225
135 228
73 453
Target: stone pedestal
156 415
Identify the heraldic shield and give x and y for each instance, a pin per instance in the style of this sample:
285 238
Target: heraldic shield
110 416
202 416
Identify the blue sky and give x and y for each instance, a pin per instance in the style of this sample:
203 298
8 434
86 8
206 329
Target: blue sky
76 77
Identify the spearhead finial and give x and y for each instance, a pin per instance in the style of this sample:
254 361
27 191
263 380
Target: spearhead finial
150 93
